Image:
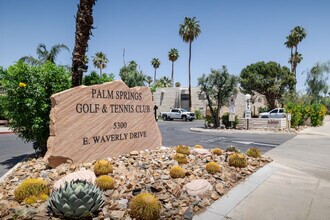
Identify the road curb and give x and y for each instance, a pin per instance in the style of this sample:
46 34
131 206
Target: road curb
7 132
4 176
228 131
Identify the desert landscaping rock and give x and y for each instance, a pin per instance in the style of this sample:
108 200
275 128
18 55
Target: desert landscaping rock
198 186
112 119
87 175
200 151
147 171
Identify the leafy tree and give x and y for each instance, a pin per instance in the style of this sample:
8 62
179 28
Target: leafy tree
269 79
173 55
316 81
100 61
44 55
27 102
84 25
148 80
218 86
189 31
164 81
297 34
2 110
95 78
131 76
177 84
155 62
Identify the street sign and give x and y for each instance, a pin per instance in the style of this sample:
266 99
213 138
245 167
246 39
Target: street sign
248 105
247 114
232 105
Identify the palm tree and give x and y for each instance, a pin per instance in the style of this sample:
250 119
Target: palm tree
148 80
100 61
164 81
155 62
189 30
84 25
297 34
177 84
44 55
173 55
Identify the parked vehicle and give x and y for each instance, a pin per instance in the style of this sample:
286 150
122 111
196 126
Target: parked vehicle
275 113
178 113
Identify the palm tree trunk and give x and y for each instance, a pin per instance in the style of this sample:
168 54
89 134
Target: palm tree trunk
291 59
155 76
172 77
100 71
84 24
189 75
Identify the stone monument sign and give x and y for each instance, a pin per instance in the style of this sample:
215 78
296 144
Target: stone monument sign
94 122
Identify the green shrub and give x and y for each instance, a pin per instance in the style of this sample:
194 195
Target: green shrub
226 122
300 113
95 78
198 114
317 114
326 102
297 112
2 109
27 103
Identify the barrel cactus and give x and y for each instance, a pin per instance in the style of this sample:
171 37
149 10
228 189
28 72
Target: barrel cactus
199 146
102 167
217 151
76 200
213 167
105 182
253 152
31 190
145 206
237 160
183 149
181 158
177 172
232 148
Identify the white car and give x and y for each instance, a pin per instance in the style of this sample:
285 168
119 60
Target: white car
275 113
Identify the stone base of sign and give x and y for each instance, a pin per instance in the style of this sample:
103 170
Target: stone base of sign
93 122
262 123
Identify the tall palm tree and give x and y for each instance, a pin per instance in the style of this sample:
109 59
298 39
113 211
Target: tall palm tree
297 34
44 55
155 62
164 81
148 80
173 55
84 25
100 61
189 31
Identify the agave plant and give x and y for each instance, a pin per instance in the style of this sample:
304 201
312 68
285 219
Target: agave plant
77 199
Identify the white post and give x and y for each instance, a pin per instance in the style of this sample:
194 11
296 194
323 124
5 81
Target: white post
247 110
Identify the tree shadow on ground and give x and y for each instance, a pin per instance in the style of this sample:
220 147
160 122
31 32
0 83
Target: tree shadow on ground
11 162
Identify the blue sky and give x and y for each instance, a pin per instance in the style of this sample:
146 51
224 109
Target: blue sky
234 33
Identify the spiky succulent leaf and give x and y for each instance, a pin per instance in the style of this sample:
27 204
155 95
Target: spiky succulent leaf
85 198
